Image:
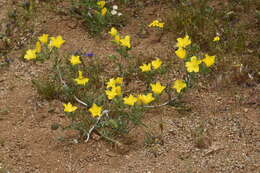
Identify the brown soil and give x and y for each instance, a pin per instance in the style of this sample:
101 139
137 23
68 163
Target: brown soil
219 134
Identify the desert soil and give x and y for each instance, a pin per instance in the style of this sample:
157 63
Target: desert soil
220 134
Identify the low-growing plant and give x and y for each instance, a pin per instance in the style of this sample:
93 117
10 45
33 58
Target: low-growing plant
204 19
98 15
109 106
228 23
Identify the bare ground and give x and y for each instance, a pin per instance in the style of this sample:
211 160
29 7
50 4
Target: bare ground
219 134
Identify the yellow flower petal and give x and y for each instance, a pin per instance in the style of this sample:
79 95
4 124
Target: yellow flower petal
193 65
113 32
30 54
217 38
126 41
104 11
209 60
115 91
181 53
44 38
179 85
156 63
157 88
69 108
130 100
81 80
56 41
38 47
74 60
117 39
119 80
145 67
156 23
111 83
101 4
145 99
95 110
183 42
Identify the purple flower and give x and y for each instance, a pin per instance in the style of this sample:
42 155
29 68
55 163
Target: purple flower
88 54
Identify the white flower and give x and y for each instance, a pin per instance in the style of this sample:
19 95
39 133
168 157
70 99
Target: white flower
119 14
115 7
113 12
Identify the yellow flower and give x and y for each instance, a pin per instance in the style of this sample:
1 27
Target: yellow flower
113 32
157 88
183 42
160 25
181 53
69 108
81 80
44 38
156 23
30 54
117 39
126 41
119 80
111 94
145 67
74 60
104 11
145 99
111 83
56 41
38 47
209 60
131 100
217 38
156 63
115 91
95 110
193 65
101 4
179 85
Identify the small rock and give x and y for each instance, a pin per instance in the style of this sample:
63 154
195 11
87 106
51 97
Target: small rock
75 141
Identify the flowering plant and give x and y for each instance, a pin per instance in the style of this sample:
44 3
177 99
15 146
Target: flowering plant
97 103
98 15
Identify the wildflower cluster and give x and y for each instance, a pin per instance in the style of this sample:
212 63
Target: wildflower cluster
140 99
122 106
123 42
114 87
182 43
155 64
46 44
95 110
101 5
192 64
98 15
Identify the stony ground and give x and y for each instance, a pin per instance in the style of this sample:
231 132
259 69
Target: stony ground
219 133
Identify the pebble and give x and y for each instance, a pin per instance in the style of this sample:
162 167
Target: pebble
75 141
